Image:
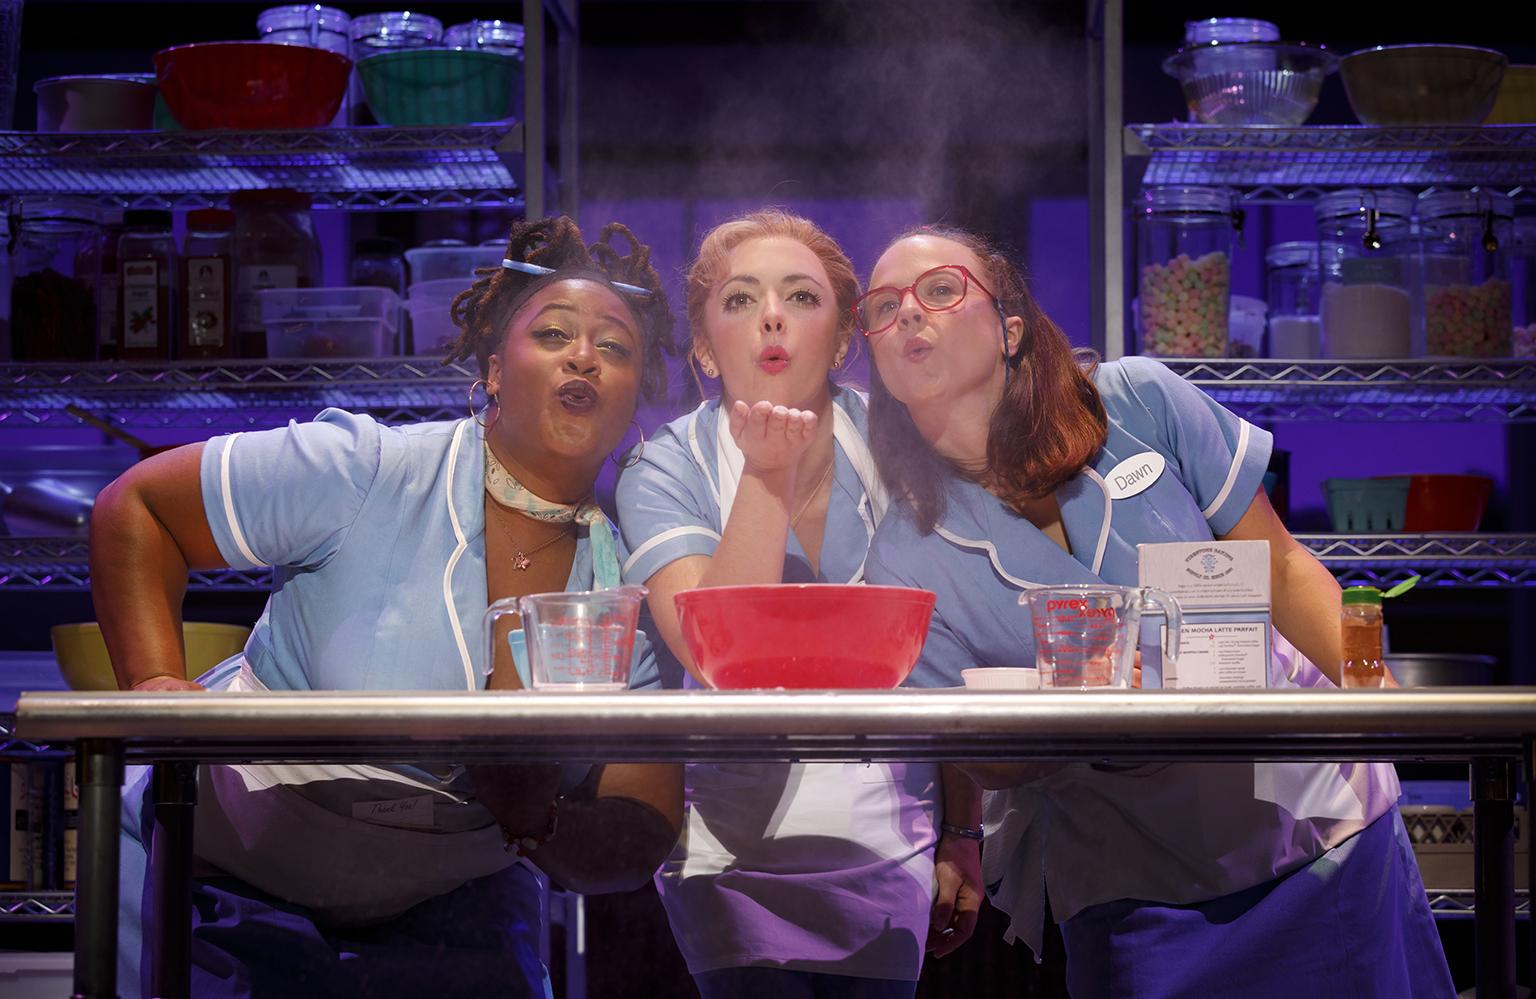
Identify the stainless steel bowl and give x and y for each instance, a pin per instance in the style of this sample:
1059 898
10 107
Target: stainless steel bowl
1251 83
1423 84
1443 669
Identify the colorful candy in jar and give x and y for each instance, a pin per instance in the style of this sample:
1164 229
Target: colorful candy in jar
1524 341
1463 320
1183 306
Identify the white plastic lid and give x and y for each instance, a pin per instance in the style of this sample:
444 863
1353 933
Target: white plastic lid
1230 29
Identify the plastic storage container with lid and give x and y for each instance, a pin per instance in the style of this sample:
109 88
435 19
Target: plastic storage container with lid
329 322
1368 282
55 263
274 247
147 266
318 27
208 285
1184 246
395 29
1294 287
1465 240
1524 303
377 263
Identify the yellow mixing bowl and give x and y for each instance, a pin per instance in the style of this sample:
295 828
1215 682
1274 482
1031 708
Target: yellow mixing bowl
82 652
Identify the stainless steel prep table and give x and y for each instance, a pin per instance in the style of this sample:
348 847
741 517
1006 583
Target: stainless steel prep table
1491 728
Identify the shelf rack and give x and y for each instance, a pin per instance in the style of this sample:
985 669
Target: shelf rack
369 168
1485 561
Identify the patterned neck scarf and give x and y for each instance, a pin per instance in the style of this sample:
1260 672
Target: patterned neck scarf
510 493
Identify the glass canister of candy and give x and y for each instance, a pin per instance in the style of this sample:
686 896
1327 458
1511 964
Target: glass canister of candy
1466 239
1364 253
1295 299
1184 256
1523 343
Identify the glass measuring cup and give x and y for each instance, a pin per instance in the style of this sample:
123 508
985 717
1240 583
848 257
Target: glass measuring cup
581 640
1085 636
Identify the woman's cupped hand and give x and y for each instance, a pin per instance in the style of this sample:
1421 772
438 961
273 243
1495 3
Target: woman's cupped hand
771 438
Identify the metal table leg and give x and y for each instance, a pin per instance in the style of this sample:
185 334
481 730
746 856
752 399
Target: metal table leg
174 796
100 765
1493 875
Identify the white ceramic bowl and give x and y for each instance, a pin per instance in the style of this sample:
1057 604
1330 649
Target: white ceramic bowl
1001 678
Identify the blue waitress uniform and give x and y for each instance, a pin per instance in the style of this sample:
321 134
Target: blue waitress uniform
352 880
821 868
1182 879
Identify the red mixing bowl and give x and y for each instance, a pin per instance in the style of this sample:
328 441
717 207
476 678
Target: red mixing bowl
251 85
1446 503
817 636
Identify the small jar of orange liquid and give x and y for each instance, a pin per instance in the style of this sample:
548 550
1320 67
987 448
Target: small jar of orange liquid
1363 665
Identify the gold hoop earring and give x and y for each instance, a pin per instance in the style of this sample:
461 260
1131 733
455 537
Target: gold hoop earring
637 453
491 400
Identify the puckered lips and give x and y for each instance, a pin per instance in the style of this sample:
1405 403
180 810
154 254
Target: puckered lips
577 396
773 358
916 349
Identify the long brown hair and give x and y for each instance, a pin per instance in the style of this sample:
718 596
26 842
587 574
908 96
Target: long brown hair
709 263
484 310
1048 425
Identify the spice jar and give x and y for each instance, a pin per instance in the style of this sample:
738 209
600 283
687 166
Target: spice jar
1184 248
1523 342
55 257
206 255
147 265
274 246
1361 622
1295 290
1367 302
1465 240
315 26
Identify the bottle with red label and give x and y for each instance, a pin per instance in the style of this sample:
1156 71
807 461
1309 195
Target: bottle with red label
147 271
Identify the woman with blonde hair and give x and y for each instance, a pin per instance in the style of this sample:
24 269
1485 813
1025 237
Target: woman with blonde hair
797 880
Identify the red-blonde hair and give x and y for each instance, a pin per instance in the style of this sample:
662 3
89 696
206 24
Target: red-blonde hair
714 250
1049 424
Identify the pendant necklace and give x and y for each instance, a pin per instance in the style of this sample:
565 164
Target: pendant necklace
522 559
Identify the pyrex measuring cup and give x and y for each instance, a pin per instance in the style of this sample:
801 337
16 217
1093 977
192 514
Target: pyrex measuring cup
1085 636
584 640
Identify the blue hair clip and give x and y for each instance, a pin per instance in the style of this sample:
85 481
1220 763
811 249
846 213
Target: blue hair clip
536 270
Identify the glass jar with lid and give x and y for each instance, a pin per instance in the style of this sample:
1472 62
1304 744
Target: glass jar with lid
1523 343
1466 239
395 29
55 263
1295 298
1184 244
1364 256
505 37
274 246
316 26
209 292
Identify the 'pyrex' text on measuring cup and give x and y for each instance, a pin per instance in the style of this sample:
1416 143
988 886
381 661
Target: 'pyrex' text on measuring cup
1085 636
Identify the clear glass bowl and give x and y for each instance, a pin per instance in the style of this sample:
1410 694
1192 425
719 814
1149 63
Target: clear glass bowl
1251 83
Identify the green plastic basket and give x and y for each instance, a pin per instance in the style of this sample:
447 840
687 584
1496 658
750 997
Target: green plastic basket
1362 506
441 86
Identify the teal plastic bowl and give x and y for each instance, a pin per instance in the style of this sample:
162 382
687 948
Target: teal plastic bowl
441 86
1367 506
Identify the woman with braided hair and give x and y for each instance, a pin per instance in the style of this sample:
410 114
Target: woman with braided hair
388 544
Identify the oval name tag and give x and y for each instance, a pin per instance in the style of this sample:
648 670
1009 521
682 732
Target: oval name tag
1134 474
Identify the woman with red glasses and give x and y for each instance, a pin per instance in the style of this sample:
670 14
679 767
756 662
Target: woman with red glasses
802 880
1202 879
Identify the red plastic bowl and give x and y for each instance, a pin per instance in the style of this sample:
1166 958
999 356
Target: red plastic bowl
817 636
251 85
1446 503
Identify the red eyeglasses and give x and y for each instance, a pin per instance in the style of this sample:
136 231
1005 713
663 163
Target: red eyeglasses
940 289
